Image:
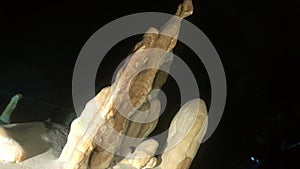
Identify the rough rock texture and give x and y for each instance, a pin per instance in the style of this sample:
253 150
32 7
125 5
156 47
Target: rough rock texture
11 150
143 155
185 135
105 134
105 118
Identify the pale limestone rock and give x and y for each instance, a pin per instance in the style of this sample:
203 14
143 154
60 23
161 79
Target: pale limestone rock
185 134
142 157
11 150
96 135
127 93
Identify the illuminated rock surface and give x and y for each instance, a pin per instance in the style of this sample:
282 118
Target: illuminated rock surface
96 139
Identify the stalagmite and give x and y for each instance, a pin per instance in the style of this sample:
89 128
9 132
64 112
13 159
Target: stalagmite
106 134
129 91
185 135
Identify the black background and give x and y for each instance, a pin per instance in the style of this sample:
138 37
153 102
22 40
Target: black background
257 42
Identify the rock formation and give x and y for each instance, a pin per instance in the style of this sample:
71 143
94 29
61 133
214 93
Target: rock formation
103 135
